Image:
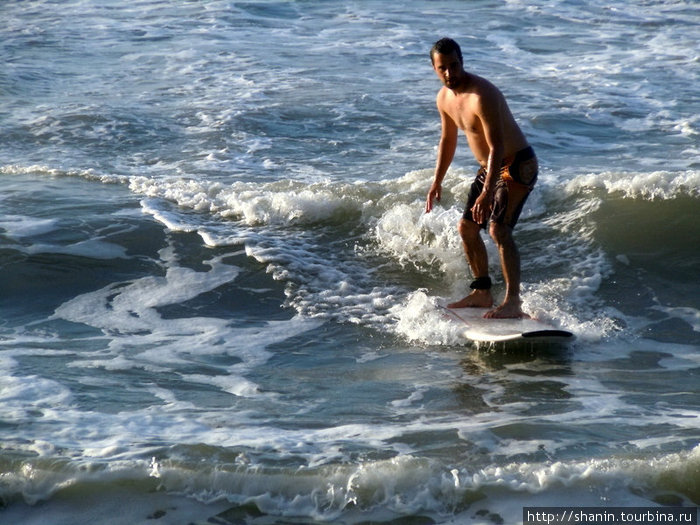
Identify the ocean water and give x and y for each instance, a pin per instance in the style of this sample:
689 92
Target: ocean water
220 296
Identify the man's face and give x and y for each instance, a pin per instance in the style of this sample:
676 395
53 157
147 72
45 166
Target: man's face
448 68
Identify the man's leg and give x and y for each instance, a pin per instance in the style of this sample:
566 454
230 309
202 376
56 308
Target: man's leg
510 264
477 257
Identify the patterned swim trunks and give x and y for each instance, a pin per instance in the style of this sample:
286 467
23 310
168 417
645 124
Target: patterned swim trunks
518 177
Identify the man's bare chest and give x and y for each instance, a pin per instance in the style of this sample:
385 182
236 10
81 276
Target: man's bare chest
461 111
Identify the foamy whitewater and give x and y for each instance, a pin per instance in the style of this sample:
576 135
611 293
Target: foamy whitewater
220 299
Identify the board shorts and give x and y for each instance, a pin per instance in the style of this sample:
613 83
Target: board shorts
518 177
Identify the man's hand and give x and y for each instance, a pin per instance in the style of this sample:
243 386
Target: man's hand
434 194
481 211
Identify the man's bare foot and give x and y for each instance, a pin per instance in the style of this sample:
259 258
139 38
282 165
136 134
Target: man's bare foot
510 309
476 299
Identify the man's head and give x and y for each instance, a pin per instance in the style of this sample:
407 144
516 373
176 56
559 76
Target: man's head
445 46
446 57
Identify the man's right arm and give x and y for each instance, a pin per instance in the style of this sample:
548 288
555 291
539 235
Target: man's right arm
445 154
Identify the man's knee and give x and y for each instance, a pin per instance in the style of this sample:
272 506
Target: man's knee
468 229
500 233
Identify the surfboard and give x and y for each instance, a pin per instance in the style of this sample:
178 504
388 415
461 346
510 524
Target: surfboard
481 330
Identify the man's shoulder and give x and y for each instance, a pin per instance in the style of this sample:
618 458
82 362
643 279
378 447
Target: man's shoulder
442 92
442 97
484 88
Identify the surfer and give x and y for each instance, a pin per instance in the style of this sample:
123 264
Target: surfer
507 174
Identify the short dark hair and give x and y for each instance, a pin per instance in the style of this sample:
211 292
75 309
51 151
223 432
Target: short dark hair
446 46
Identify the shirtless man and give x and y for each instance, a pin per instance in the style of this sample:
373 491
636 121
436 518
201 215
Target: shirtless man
507 175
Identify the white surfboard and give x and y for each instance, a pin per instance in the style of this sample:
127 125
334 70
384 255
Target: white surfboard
481 330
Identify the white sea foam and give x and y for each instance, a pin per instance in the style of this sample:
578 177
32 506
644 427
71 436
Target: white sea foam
661 185
24 229
687 314
422 319
18 226
24 396
253 204
131 311
395 487
392 214
171 220
130 307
